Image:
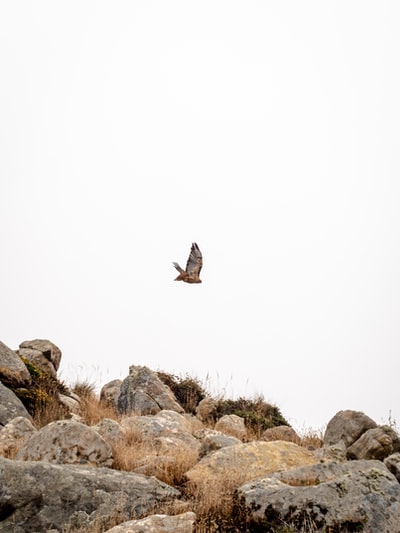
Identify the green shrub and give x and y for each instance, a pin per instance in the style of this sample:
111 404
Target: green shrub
258 414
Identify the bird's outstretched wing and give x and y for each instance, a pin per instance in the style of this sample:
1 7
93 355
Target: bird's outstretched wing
195 261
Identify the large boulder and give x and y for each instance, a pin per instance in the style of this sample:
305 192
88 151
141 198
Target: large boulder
376 443
10 406
13 372
248 461
50 352
143 393
346 427
351 496
159 523
67 441
38 496
110 391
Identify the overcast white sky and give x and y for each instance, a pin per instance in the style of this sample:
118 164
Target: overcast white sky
267 132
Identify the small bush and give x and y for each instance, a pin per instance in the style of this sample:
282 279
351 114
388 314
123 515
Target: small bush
258 414
41 397
187 390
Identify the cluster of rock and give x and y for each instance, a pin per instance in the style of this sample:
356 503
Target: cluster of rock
62 477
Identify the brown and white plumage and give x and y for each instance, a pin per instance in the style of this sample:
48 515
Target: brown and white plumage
193 266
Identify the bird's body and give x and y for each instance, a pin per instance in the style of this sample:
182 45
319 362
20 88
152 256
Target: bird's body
193 266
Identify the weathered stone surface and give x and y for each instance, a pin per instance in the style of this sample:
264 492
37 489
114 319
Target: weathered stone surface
10 406
67 441
212 440
164 423
232 425
159 523
49 350
249 460
38 359
110 430
110 391
143 393
392 463
376 443
38 496
13 372
327 454
347 427
14 434
285 433
206 408
351 496
70 403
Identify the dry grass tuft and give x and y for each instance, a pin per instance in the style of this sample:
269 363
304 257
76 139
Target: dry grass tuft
312 439
212 501
150 457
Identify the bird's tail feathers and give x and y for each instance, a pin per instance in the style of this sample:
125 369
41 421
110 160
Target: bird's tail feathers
178 268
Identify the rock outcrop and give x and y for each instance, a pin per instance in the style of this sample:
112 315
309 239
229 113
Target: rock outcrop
37 496
59 478
352 496
143 393
13 372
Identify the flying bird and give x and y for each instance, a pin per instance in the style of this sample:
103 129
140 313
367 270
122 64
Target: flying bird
193 266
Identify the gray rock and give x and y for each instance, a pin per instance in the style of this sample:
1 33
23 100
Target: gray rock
37 496
110 392
212 440
143 393
392 463
232 425
159 523
49 350
376 443
39 360
110 430
356 495
10 406
14 434
347 427
67 441
13 372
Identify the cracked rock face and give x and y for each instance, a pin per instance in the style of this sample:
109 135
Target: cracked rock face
356 494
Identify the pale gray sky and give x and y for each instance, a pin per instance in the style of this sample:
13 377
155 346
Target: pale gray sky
268 132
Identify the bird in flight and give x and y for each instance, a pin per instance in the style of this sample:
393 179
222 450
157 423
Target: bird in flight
193 266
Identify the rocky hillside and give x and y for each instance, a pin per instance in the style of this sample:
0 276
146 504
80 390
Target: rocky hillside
156 454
